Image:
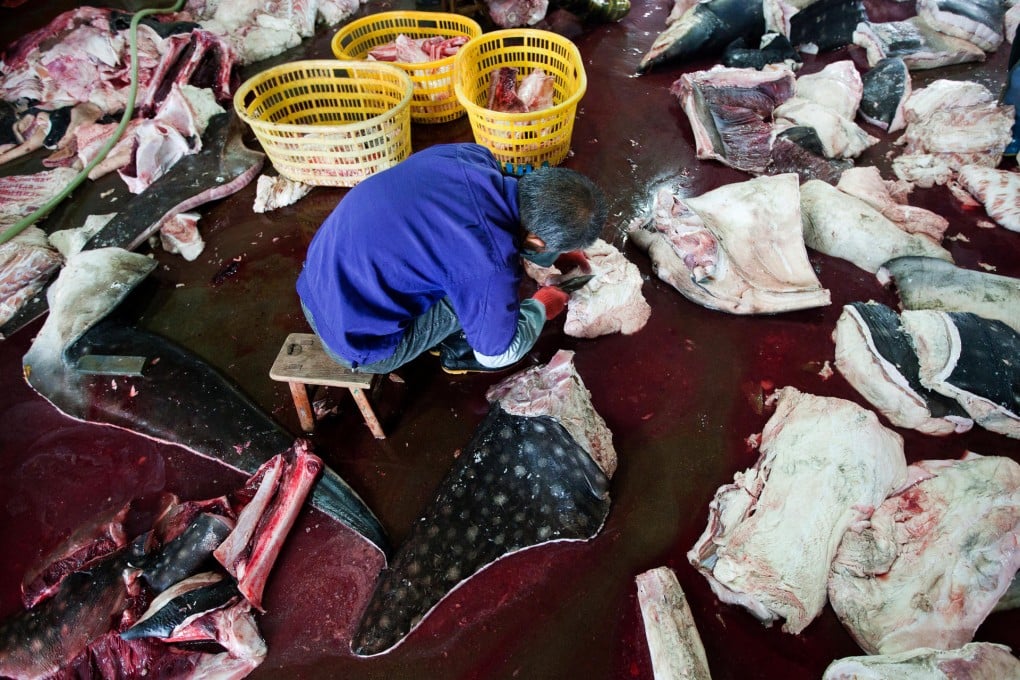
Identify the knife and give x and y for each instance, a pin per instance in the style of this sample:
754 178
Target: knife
575 283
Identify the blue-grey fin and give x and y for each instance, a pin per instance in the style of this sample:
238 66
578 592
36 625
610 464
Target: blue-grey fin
520 482
705 30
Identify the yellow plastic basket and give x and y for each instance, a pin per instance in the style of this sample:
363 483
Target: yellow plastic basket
327 122
434 100
521 141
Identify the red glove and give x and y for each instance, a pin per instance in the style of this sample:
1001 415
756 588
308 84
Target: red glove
553 299
575 259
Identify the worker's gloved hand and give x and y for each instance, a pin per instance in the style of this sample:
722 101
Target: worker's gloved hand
553 299
575 259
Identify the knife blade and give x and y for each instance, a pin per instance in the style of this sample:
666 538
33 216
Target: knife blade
575 283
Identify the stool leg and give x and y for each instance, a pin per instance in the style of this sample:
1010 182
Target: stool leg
367 413
303 406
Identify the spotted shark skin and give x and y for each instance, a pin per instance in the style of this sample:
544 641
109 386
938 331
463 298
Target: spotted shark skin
522 481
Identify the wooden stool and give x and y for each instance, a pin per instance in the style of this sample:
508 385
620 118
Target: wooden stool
302 361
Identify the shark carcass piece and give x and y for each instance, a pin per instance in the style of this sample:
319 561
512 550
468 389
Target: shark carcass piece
929 283
877 357
730 112
887 86
838 224
827 102
27 262
738 248
773 532
704 30
972 360
528 476
973 660
952 124
933 559
610 303
889 197
913 40
998 191
122 608
978 21
673 640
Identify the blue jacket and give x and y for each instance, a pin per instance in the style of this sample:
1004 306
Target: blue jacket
442 223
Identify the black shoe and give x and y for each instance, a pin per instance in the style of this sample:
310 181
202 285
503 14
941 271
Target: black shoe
457 358
457 338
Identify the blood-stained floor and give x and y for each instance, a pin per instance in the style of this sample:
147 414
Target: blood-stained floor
681 398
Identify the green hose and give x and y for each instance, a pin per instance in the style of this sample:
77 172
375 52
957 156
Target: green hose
26 222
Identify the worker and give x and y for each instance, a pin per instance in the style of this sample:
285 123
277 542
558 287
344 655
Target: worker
425 255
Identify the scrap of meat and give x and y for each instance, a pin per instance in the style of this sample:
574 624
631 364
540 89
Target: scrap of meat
102 618
610 303
30 133
844 226
738 248
534 93
763 549
277 192
180 235
972 360
71 241
515 13
528 468
673 640
889 197
877 357
249 552
730 112
973 660
27 262
410 50
998 191
933 559
951 124
915 42
928 283
979 21
887 86
705 29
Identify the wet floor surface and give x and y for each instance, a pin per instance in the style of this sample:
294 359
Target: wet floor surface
681 397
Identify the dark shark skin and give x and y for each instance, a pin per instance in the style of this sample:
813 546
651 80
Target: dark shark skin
895 346
223 166
178 398
987 366
886 86
520 482
705 30
189 603
829 24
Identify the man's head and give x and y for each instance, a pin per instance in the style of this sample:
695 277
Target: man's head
563 208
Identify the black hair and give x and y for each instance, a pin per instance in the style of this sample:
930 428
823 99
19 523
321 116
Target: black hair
562 207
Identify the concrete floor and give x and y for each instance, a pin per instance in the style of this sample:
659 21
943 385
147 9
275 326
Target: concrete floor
680 397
